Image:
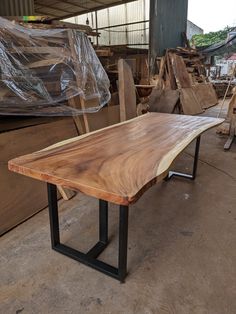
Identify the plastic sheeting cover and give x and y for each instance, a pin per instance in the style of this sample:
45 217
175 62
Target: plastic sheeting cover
225 46
41 69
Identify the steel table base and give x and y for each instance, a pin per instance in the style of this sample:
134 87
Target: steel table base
90 258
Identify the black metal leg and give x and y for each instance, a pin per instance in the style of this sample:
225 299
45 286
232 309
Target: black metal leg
53 214
195 163
103 231
123 236
103 221
90 258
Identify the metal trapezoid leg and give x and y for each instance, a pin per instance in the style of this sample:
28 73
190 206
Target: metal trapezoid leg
90 258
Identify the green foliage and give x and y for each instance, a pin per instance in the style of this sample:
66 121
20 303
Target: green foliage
210 38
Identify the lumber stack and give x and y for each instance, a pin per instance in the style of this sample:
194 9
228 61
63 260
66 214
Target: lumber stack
193 61
45 23
136 58
182 70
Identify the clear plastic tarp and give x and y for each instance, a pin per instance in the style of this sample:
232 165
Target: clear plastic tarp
41 69
221 48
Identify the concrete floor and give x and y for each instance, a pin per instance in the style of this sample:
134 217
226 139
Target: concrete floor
181 257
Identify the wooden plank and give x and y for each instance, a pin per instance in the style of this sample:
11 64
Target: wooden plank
63 24
162 66
180 72
74 102
89 104
163 100
21 197
206 95
45 63
170 78
231 115
117 163
104 52
189 102
127 94
32 110
65 193
16 122
114 101
104 117
232 107
132 64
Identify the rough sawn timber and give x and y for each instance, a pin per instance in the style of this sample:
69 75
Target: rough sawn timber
117 163
127 93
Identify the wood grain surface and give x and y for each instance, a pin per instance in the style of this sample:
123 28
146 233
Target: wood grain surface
117 163
163 100
189 101
127 93
206 95
180 71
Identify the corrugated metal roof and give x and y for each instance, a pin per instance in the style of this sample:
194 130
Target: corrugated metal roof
16 7
61 9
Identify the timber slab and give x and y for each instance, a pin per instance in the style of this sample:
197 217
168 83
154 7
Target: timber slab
117 163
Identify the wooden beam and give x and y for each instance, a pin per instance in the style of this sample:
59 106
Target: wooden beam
127 92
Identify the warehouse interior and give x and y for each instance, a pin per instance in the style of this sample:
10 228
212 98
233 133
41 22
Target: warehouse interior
102 108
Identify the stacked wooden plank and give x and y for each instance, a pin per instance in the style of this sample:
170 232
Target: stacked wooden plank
44 23
138 60
193 61
182 69
45 60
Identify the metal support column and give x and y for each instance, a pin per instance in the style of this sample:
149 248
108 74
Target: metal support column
168 20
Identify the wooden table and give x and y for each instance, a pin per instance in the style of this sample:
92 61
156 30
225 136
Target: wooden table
116 164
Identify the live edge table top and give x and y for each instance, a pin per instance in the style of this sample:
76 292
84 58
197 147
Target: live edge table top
117 163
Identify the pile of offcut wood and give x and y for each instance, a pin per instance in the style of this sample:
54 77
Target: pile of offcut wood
182 70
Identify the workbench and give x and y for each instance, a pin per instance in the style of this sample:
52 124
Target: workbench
116 164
